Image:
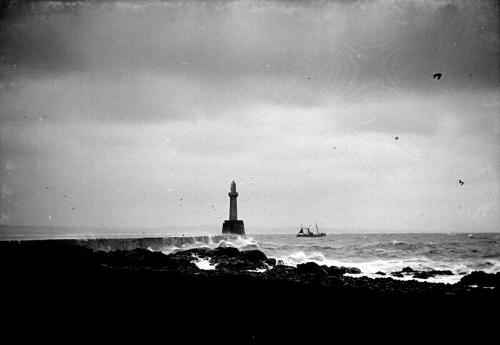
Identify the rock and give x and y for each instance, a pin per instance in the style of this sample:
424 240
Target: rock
423 275
222 254
158 259
271 262
430 274
232 264
199 252
225 251
352 270
407 270
280 263
441 273
337 271
380 273
283 268
143 258
311 268
228 258
397 274
482 279
253 255
99 257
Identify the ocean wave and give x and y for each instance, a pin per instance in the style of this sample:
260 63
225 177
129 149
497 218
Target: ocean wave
239 242
396 242
203 263
301 257
379 253
373 267
490 266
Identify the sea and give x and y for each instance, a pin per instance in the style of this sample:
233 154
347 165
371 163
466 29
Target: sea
372 253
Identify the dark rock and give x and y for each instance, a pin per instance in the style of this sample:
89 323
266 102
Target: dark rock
311 268
271 262
423 275
352 270
482 279
441 273
100 257
225 258
420 274
335 271
253 255
229 258
222 254
143 258
407 270
283 268
199 252
233 264
225 251
380 273
338 271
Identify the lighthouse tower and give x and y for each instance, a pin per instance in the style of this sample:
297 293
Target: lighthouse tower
233 225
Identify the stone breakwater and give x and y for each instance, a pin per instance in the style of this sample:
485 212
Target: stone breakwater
130 243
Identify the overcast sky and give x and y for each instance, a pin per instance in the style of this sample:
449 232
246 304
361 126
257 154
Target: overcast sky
140 114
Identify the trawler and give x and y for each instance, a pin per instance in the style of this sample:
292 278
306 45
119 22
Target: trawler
306 232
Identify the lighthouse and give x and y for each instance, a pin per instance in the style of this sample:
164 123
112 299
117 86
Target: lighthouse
233 225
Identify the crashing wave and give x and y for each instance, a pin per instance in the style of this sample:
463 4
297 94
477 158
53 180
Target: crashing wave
203 263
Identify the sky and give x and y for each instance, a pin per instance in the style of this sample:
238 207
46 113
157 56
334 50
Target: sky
140 114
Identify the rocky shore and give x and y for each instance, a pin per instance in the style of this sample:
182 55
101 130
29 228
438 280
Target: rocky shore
254 297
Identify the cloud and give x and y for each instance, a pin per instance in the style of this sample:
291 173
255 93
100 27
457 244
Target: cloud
135 61
126 106
334 43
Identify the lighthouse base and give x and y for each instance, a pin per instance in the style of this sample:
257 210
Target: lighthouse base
235 227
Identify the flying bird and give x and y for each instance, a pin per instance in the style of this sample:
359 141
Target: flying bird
461 182
73 209
437 75
396 138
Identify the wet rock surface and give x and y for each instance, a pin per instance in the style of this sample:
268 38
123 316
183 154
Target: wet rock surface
408 271
482 279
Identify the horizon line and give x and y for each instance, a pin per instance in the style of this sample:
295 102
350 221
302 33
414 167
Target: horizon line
328 230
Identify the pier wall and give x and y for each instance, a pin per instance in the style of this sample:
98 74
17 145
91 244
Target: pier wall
153 243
